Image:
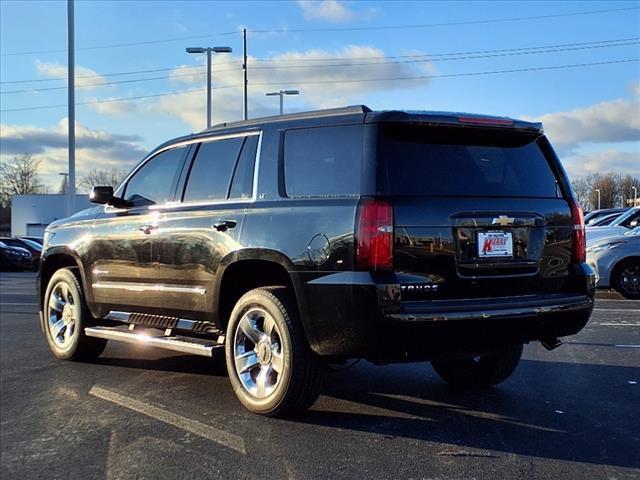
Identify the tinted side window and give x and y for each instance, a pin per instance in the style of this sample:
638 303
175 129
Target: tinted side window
242 183
212 169
155 182
323 162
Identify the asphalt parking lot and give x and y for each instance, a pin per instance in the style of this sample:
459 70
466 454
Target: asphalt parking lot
141 413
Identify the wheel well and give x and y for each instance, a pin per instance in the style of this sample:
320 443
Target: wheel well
52 264
245 275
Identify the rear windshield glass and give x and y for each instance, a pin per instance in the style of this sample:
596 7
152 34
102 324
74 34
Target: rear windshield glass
452 161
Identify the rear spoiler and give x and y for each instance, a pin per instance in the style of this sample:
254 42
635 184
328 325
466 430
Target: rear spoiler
452 119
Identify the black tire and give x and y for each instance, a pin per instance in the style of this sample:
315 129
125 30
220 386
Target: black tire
297 386
77 346
625 278
479 372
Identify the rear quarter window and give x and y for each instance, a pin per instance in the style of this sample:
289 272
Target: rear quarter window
323 161
453 161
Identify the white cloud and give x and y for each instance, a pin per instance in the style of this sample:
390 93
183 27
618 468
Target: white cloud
604 137
611 121
330 10
113 108
95 148
581 164
55 70
339 84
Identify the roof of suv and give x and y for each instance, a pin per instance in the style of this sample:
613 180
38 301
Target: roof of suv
369 116
361 114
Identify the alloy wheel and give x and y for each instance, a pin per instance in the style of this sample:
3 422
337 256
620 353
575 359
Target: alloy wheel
61 312
630 280
258 353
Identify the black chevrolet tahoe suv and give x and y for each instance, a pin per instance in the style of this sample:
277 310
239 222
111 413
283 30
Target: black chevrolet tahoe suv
295 241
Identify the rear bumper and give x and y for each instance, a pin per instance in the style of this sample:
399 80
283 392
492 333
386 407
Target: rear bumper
491 309
351 314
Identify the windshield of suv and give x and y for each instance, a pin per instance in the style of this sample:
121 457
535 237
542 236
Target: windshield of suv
452 161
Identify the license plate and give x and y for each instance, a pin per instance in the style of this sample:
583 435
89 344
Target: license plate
495 244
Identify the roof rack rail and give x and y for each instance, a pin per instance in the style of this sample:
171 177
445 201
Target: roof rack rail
352 109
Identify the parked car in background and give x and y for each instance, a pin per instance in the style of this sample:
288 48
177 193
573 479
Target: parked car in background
34 248
605 220
14 258
37 240
591 217
621 225
616 261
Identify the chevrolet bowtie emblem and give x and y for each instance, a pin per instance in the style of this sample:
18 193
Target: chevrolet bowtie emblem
503 220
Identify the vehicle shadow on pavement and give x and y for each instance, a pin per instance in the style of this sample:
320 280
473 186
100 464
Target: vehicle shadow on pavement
175 363
565 411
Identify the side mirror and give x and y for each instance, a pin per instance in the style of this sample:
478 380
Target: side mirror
101 195
104 196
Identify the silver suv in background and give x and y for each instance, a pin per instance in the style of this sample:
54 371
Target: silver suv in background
616 261
621 225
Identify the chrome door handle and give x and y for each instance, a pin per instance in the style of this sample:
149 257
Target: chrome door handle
224 225
147 229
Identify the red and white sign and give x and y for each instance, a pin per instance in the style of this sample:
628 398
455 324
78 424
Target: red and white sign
495 244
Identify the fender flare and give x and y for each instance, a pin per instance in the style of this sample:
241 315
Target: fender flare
265 255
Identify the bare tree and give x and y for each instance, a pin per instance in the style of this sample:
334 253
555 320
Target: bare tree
103 177
64 185
626 189
608 187
582 190
19 176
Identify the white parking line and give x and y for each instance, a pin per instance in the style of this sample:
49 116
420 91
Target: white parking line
619 324
226 439
618 310
613 300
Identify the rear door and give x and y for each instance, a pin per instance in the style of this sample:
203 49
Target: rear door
203 227
478 212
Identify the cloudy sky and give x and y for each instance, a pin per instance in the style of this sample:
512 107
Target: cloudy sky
572 65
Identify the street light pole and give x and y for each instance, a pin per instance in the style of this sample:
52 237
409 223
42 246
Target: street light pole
71 106
281 94
598 190
635 193
208 51
208 88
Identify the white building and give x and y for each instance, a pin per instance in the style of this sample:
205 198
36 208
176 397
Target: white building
30 214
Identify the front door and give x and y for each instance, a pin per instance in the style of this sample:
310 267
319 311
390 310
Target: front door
119 258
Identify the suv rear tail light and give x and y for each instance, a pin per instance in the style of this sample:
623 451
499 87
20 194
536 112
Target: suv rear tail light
579 254
374 235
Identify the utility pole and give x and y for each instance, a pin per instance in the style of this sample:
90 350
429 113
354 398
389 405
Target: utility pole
246 81
598 191
71 188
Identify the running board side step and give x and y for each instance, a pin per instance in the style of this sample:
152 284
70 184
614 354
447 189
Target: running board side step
193 346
